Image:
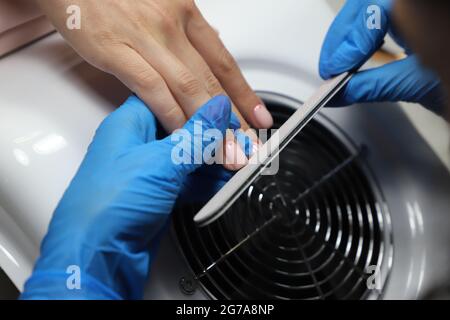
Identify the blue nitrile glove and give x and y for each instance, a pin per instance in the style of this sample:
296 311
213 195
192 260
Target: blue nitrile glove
112 214
350 43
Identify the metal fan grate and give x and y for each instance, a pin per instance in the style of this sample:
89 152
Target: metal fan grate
308 232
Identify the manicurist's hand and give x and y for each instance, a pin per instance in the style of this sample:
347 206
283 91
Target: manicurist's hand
164 51
106 226
350 43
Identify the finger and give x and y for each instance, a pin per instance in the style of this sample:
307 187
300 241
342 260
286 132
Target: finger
207 42
192 59
213 115
132 124
349 42
186 87
187 54
234 157
403 80
129 67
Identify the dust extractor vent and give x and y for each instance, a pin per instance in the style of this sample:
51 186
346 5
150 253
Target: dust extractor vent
309 232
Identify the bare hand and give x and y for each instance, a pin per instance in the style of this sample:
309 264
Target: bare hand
164 51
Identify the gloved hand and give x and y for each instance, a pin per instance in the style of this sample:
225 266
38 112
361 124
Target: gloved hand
350 43
109 219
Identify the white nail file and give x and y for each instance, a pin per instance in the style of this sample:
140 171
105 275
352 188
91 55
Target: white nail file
232 190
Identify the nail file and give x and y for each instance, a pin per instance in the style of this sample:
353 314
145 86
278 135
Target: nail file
223 200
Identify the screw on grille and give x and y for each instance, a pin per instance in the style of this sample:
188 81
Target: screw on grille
188 285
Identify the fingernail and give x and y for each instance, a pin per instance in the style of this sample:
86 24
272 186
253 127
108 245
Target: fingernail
263 116
234 155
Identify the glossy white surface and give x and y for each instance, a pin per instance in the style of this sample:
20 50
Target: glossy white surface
50 105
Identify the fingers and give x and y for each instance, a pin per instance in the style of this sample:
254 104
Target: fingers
185 86
130 125
207 42
187 54
350 42
403 80
232 153
147 83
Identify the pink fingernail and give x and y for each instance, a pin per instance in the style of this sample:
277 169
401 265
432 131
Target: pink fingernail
234 155
263 116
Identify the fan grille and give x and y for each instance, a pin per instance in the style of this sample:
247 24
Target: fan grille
309 232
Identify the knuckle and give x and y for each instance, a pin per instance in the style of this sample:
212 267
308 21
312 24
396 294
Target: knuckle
148 80
212 83
104 38
245 91
188 84
167 24
173 115
172 118
188 7
162 19
226 64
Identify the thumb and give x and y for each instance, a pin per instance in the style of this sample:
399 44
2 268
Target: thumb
197 142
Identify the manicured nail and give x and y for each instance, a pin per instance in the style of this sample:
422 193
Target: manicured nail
263 116
234 155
